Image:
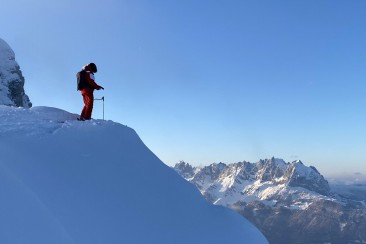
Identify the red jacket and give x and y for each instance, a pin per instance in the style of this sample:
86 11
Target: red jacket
89 78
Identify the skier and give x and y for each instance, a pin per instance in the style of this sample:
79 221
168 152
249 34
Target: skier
87 85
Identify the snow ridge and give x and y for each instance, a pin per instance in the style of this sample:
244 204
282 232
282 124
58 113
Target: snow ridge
67 181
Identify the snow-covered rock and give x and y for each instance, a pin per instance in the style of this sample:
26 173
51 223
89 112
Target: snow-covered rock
66 181
298 175
11 79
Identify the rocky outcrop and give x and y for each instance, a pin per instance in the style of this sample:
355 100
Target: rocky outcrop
270 169
299 175
184 169
11 79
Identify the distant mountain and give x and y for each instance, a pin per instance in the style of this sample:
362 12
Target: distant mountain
288 202
11 79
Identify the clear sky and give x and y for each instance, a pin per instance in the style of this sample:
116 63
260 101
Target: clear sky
207 81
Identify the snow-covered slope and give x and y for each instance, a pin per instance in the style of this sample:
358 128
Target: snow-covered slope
65 181
11 79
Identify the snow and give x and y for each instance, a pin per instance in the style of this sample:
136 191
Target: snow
65 181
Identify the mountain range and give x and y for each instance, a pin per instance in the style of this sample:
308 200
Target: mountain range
288 201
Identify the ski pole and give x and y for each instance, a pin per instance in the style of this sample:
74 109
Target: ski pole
103 103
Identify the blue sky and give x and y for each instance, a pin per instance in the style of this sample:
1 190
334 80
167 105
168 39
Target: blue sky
207 81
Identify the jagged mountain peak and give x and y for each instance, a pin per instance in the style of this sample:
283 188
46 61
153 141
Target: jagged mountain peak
299 175
270 169
213 170
272 160
184 169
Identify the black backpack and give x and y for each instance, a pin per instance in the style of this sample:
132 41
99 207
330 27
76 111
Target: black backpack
81 82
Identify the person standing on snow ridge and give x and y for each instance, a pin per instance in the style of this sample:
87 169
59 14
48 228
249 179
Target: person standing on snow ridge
87 85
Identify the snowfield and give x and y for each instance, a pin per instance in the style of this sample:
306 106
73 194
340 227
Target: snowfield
65 181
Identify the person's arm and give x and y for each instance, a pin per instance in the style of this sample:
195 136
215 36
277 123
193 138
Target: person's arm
90 79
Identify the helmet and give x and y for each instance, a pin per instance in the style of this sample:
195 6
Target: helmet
93 67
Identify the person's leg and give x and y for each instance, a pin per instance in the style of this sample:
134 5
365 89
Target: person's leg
83 112
89 102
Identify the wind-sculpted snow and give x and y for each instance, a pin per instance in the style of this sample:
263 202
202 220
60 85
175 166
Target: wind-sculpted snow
33 121
65 181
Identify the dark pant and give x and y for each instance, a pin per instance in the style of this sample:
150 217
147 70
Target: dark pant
88 103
